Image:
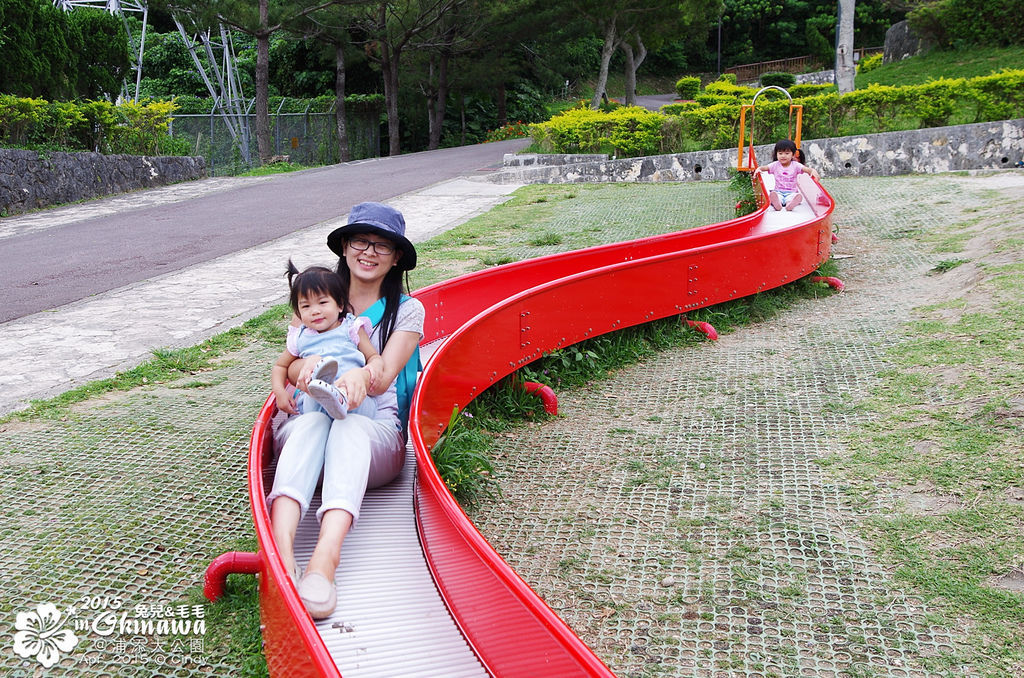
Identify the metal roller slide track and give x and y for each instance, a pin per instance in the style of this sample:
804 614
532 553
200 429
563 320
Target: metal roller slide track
390 618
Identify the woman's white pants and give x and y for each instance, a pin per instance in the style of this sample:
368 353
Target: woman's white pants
354 453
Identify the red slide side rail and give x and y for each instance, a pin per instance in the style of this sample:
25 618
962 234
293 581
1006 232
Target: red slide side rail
494 322
291 643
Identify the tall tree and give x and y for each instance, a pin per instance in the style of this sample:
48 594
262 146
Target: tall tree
454 36
605 17
520 41
332 28
493 65
846 69
46 52
657 21
624 24
34 50
390 26
340 110
103 60
261 22
635 51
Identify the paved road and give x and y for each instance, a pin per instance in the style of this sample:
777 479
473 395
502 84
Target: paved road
655 101
59 256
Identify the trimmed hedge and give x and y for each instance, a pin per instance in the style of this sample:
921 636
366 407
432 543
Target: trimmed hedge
688 87
778 79
676 109
869 63
628 131
724 88
799 91
877 108
191 105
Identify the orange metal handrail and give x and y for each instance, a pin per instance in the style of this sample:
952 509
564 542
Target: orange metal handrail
794 132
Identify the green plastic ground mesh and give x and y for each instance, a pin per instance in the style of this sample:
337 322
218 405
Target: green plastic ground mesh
674 515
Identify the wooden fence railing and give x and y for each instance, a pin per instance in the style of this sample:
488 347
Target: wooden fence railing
802 64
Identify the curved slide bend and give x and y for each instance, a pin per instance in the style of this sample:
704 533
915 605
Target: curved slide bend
485 325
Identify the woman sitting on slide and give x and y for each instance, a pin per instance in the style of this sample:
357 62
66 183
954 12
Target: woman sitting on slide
355 452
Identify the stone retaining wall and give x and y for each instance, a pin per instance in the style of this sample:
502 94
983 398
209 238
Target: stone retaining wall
817 78
32 180
990 145
549 159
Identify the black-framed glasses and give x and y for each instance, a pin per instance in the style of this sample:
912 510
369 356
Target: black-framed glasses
379 246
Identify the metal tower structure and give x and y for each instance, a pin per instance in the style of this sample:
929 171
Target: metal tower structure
218 71
220 75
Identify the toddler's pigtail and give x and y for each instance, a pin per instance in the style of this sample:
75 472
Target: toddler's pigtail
291 273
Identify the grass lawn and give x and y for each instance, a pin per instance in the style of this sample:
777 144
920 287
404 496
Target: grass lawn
971 63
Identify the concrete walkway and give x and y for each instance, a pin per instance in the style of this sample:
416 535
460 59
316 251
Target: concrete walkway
654 102
98 336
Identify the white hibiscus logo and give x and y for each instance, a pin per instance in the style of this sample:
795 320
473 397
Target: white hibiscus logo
39 634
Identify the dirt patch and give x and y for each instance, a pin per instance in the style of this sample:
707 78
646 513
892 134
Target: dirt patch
1011 581
986 248
22 426
1014 495
444 270
992 180
1013 410
14 460
923 500
100 402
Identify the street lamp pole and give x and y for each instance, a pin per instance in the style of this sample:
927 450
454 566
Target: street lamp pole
719 44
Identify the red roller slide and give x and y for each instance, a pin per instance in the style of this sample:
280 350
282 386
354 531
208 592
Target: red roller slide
485 325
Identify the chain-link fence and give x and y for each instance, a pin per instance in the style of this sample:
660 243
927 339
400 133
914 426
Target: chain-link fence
307 138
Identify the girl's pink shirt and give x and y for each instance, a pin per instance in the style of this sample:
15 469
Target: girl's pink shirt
785 177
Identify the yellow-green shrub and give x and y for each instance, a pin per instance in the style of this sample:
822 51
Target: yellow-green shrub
677 108
824 115
133 128
725 88
631 131
634 131
577 130
935 102
712 127
869 63
17 118
140 127
626 131
880 102
687 87
998 96
705 99
808 90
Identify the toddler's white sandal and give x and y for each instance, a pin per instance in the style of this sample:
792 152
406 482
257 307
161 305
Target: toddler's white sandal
330 398
325 370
